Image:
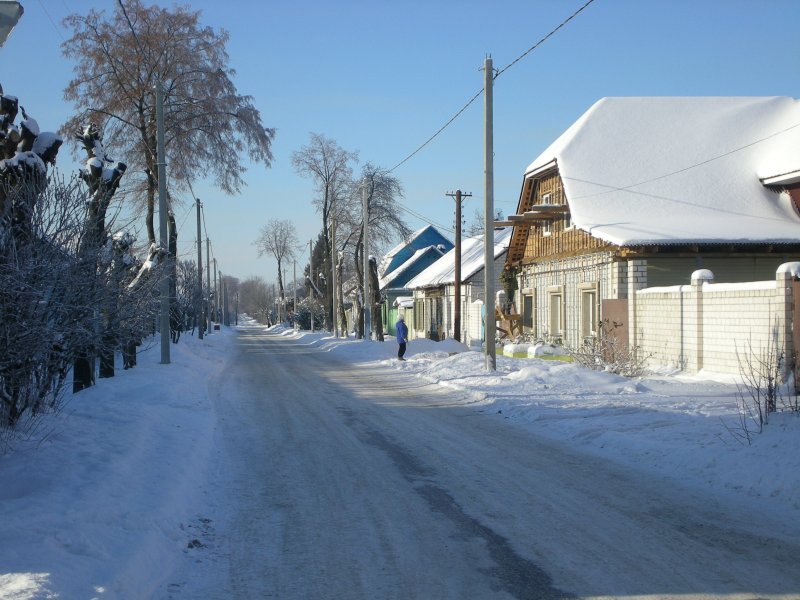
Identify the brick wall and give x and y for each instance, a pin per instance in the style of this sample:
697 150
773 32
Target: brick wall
701 326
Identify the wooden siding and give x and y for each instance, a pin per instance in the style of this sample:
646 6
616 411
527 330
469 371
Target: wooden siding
561 241
519 237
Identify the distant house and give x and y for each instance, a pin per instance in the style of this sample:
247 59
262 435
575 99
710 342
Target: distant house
642 192
403 263
434 291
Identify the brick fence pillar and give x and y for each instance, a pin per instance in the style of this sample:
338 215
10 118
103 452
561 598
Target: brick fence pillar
637 280
699 277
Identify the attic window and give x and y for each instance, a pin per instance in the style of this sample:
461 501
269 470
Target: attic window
546 198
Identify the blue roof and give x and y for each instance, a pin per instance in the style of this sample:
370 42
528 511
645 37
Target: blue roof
424 238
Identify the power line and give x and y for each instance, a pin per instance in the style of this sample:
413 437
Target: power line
543 40
479 92
443 127
49 18
628 188
425 219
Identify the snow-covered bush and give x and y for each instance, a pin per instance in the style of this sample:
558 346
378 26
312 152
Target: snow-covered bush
305 308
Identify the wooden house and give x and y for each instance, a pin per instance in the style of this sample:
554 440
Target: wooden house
641 192
434 292
404 262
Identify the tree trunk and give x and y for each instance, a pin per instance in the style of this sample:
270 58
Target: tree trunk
375 300
361 301
151 207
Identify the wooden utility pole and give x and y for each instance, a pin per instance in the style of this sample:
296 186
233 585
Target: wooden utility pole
365 252
335 262
208 284
161 166
201 322
216 294
311 280
458 195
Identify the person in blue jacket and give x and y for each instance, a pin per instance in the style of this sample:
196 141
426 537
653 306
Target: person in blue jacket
402 336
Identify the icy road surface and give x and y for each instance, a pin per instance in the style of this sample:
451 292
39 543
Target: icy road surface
351 482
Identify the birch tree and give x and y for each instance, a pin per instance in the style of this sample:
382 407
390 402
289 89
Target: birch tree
330 168
120 57
279 239
383 192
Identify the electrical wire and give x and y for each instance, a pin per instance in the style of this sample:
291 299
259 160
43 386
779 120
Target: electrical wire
499 72
542 41
628 188
49 18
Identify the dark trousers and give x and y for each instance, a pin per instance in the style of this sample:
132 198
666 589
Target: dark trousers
401 350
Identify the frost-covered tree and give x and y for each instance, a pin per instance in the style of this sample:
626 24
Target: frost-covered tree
119 59
279 239
383 192
330 168
255 299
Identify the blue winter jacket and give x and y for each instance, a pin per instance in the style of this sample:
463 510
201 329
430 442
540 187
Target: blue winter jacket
402 332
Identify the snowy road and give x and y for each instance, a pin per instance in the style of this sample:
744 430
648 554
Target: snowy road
350 482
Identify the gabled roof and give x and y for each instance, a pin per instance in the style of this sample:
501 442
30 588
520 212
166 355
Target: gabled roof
420 260
442 272
420 239
640 171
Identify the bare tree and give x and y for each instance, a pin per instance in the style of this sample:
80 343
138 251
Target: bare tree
278 238
477 226
119 60
254 299
383 192
330 168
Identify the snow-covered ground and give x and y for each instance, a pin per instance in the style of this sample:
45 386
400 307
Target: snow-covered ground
102 501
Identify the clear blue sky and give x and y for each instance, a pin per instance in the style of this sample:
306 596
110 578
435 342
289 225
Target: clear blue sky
381 77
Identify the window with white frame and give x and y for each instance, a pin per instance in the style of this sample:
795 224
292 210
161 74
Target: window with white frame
589 311
528 308
555 301
568 224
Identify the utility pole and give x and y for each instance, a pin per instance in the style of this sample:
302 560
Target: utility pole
335 262
226 317
201 322
208 284
367 302
488 217
311 278
216 294
294 288
161 167
458 195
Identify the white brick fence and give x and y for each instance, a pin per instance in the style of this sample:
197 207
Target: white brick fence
701 325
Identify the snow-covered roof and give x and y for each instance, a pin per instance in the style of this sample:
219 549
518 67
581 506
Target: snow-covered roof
442 271
404 302
389 278
671 170
422 238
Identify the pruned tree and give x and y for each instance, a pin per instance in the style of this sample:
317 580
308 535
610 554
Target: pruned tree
330 168
119 59
278 238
